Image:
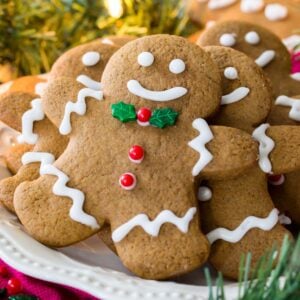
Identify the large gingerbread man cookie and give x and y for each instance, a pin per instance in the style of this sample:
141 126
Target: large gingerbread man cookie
133 157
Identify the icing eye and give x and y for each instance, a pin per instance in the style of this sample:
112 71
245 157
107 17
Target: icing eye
228 39
177 66
90 58
231 73
145 59
252 38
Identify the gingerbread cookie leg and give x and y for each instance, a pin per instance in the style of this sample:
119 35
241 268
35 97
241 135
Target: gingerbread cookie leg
240 218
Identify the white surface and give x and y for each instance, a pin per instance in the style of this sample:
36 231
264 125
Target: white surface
91 267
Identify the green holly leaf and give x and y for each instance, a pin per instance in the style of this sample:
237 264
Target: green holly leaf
163 117
23 297
123 112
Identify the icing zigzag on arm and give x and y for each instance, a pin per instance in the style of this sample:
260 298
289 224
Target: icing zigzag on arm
199 143
233 236
266 145
79 107
60 188
294 113
153 227
36 113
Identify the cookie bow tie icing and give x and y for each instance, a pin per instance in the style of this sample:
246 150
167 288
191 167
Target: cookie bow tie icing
161 117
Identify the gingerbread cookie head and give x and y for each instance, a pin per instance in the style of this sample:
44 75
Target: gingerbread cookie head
85 59
279 16
261 45
162 74
247 93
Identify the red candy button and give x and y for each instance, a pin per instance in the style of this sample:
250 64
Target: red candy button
136 154
14 286
276 179
3 271
127 181
143 116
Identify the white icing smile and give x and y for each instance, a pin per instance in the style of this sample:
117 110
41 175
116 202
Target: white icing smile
235 96
135 88
265 58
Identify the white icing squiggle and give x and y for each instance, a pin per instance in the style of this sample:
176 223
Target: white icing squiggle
153 227
5 87
283 219
235 96
199 143
231 73
89 82
204 193
276 12
135 88
266 145
218 4
39 88
296 76
91 58
78 107
59 188
227 39
251 6
294 113
36 113
265 58
233 236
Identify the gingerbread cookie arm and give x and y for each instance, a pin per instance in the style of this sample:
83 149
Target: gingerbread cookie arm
240 218
228 160
284 157
13 105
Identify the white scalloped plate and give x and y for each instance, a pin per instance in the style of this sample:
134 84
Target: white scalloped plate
92 268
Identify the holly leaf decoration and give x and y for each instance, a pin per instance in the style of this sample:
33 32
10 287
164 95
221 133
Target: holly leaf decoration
123 112
163 117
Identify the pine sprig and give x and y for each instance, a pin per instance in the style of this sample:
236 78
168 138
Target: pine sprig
34 33
269 283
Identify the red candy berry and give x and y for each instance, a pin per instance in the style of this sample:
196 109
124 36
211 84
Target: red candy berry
14 286
127 181
143 116
3 271
276 179
136 154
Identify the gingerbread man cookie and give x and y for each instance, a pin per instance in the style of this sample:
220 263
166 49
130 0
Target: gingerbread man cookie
36 129
262 46
123 153
280 16
247 93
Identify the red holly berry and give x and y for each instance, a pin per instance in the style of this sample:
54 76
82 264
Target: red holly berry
143 116
136 154
276 179
127 181
3 271
14 286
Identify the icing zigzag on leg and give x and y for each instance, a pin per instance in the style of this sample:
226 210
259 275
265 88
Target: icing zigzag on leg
36 113
199 143
60 188
153 227
233 236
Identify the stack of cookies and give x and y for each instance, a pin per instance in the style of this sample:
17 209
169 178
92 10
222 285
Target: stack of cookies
163 147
